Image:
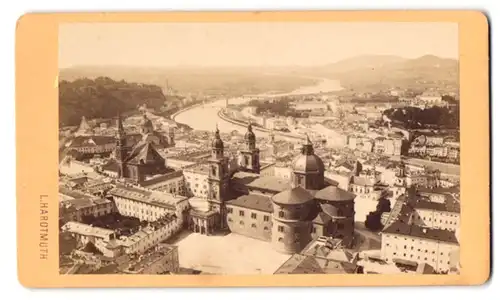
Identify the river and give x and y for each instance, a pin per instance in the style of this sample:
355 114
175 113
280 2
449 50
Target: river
204 117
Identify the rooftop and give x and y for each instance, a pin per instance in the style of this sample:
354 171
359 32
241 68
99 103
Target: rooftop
201 168
448 206
269 183
151 257
334 193
302 264
91 141
87 230
296 195
441 235
256 202
160 178
160 199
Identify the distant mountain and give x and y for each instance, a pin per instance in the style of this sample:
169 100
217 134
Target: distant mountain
364 61
377 72
208 81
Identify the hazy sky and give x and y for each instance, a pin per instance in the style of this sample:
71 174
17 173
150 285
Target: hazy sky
243 44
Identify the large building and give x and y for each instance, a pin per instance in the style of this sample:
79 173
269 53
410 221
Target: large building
288 213
140 162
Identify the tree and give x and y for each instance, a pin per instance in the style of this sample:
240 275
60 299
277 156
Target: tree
373 221
384 205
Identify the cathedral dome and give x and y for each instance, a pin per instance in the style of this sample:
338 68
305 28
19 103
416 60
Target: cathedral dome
308 162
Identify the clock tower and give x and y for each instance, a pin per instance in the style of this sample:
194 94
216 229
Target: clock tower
218 178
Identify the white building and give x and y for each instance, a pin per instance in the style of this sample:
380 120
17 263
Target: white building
196 178
148 205
436 247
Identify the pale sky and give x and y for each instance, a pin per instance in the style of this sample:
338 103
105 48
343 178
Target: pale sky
248 44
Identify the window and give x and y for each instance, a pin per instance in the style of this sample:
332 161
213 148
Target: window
281 214
242 213
299 179
266 228
229 219
253 216
281 229
404 247
241 223
313 229
229 210
253 225
266 218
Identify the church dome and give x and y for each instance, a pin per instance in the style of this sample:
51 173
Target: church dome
308 162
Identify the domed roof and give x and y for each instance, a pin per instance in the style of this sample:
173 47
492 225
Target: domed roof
308 162
334 194
294 196
249 135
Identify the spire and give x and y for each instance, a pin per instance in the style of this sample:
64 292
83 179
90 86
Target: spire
217 133
119 125
249 126
308 141
307 148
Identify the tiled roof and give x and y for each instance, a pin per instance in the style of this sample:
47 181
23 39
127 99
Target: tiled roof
150 197
256 202
322 218
146 153
333 193
268 183
302 264
87 230
296 195
90 141
161 178
362 181
401 228
429 205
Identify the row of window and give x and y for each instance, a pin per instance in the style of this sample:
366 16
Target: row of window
242 214
243 223
425 258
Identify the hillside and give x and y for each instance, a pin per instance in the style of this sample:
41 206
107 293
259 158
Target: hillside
373 73
103 98
207 81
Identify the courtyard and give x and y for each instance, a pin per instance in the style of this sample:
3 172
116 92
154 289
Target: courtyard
230 254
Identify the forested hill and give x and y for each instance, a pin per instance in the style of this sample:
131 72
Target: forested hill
103 98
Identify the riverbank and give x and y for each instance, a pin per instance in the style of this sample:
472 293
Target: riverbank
226 118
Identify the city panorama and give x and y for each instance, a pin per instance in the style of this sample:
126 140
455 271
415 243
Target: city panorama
242 149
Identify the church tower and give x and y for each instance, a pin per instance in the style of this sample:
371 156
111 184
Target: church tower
120 150
250 155
218 178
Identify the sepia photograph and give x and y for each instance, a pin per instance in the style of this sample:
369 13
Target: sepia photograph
259 148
